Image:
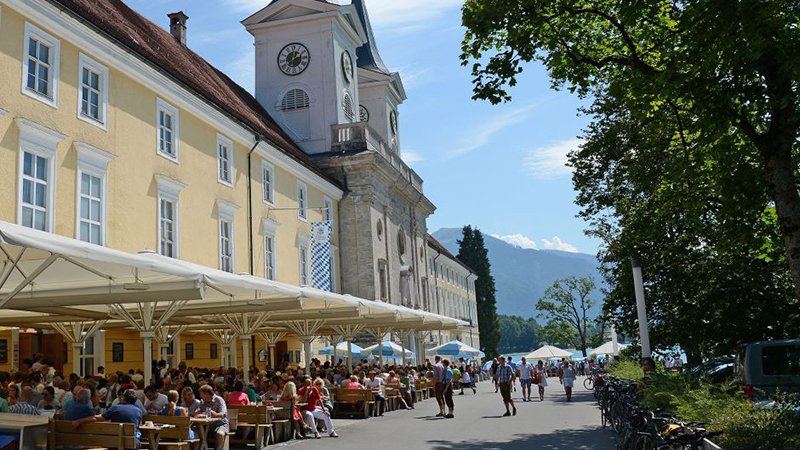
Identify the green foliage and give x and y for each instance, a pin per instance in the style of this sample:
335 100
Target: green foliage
472 252
745 426
518 334
690 162
566 304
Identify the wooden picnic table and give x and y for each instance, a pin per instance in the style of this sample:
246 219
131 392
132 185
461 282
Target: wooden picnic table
202 424
153 434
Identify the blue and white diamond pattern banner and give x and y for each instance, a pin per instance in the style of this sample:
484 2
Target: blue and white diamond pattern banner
321 255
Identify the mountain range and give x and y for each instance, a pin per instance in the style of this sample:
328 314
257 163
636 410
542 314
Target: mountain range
522 275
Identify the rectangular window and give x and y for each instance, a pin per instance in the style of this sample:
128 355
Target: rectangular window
117 352
269 257
304 281
91 213
327 213
92 91
268 182
225 160
167 126
3 351
167 219
36 201
212 351
302 201
189 351
382 279
781 360
226 245
40 65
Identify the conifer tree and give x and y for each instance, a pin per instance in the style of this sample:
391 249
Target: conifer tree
472 252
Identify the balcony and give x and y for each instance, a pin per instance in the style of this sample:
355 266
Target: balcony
360 136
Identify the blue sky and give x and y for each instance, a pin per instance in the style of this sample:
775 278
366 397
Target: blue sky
500 168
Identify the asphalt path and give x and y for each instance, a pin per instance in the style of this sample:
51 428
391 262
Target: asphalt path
553 424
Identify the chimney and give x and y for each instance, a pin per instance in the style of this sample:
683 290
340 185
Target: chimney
177 26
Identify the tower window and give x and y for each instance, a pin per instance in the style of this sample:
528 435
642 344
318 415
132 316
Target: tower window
294 100
347 106
295 107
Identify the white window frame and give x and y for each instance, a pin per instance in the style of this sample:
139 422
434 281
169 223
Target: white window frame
226 212
32 31
169 190
43 142
327 213
93 161
223 141
162 105
270 230
268 191
302 205
88 63
304 263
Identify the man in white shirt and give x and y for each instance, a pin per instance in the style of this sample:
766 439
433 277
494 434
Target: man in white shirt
525 372
376 385
156 401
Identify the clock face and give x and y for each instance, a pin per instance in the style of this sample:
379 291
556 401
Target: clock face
347 66
393 121
363 114
293 59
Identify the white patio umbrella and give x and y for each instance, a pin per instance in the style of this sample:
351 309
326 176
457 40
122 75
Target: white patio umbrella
548 352
608 349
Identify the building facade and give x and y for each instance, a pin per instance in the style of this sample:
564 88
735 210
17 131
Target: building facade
114 132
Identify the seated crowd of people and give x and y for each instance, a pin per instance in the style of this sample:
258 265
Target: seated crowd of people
203 393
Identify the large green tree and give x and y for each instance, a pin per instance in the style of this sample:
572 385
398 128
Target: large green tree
566 305
699 216
518 334
472 252
728 67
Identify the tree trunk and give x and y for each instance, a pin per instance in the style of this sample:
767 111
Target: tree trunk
781 182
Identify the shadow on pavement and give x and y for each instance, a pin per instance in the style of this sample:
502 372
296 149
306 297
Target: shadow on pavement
583 439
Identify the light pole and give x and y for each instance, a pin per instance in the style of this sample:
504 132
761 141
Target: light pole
641 307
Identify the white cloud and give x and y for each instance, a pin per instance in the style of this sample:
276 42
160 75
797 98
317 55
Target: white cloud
558 244
242 69
483 133
411 157
550 162
517 240
414 75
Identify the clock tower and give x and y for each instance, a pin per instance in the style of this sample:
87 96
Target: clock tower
305 67
320 76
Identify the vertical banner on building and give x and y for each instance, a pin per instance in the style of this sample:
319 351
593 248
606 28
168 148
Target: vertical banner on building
321 255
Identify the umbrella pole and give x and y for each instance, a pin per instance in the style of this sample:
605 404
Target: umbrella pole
380 352
350 354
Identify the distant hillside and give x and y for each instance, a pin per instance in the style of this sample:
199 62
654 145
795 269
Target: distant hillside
522 275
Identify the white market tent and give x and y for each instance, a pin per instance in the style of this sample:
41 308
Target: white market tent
548 352
76 288
608 349
456 348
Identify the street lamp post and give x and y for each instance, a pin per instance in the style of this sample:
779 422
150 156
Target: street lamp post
641 307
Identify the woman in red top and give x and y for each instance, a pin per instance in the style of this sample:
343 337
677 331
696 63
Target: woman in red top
315 409
238 397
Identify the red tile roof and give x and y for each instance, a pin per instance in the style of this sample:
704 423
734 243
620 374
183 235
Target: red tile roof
158 47
436 245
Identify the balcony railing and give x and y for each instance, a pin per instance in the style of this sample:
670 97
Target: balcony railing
360 136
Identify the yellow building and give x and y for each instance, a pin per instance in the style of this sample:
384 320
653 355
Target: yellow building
452 294
113 132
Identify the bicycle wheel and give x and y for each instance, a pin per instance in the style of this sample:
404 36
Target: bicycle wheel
644 443
588 383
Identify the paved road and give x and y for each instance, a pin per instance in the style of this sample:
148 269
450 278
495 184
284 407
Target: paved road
550 425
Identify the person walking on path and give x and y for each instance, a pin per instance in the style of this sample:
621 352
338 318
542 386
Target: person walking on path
525 372
541 379
493 373
568 379
449 380
505 376
439 384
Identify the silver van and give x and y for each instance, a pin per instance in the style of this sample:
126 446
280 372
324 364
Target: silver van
766 367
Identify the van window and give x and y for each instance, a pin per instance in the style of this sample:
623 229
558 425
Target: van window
781 359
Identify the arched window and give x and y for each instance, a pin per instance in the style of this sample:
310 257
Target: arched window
295 108
347 106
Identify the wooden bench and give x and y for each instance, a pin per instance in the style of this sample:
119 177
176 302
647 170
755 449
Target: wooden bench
256 422
282 428
121 436
174 438
354 402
